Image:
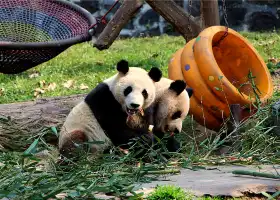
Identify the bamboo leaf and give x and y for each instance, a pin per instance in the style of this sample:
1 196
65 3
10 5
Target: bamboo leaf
54 130
32 148
276 194
267 195
217 88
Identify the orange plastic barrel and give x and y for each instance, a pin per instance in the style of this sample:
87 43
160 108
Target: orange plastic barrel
221 75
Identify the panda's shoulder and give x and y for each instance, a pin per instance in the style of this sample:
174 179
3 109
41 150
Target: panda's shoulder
102 102
101 88
101 95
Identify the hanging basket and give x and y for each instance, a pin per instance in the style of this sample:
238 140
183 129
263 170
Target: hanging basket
35 31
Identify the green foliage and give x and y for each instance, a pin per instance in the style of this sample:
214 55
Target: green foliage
272 67
170 192
273 196
22 175
86 65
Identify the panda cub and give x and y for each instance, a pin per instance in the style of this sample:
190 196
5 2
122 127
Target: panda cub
170 108
168 111
103 114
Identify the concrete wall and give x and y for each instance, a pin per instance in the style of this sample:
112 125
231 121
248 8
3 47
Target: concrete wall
243 15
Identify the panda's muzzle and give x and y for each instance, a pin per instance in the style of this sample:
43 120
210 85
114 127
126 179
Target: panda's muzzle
135 110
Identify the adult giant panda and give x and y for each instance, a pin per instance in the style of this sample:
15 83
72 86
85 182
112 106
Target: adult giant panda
102 115
168 111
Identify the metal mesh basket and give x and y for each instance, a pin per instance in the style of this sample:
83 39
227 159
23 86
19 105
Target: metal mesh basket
35 31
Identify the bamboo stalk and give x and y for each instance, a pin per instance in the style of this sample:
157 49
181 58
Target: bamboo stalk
257 174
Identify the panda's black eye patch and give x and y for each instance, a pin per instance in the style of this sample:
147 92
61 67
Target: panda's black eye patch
145 94
127 90
176 115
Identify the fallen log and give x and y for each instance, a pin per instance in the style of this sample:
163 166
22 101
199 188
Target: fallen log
19 122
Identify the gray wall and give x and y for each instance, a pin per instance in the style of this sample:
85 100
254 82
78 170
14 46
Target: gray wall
243 15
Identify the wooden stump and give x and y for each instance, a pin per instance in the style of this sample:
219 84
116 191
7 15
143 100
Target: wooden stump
232 132
235 118
210 11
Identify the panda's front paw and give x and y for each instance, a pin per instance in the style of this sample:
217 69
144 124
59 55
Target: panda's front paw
173 145
158 133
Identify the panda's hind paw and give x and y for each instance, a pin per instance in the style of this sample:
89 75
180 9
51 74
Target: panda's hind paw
73 144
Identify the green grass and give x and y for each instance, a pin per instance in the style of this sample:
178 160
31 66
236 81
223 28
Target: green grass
20 174
171 192
86 65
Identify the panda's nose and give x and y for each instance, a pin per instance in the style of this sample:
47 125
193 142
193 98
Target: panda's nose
176 130
134 105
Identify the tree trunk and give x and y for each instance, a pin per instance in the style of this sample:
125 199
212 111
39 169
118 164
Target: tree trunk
116 24
210 12
177 17
21 121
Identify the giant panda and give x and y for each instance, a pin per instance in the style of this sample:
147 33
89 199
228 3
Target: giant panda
167 113
102 115
170 108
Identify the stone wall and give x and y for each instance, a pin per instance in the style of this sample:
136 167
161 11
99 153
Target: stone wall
243 15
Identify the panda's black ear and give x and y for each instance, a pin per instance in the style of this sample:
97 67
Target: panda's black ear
122 66
155 74
189 91
178 86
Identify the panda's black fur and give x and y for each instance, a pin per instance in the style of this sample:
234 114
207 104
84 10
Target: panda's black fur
110 115
172 144
107 113
166 89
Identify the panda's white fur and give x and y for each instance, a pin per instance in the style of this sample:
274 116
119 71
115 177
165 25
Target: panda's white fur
168 111
81 122
102 115
138 79
172 98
